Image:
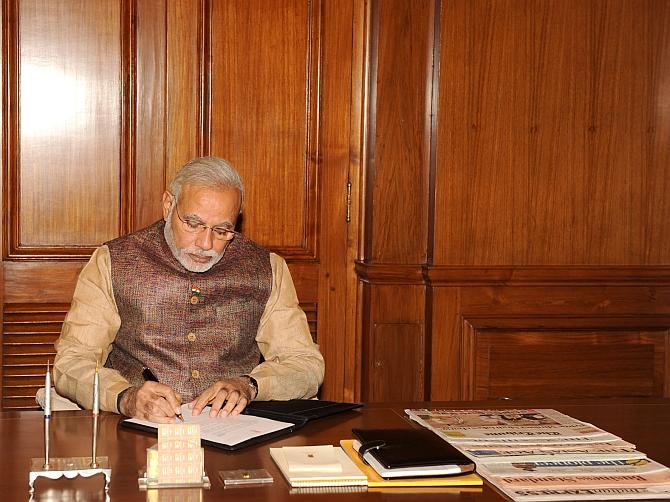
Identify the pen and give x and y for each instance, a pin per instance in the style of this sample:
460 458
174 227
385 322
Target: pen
149 376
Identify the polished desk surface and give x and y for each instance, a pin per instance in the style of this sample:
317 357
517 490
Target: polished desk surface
643 422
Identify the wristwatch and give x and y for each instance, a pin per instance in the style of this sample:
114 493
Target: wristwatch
253 384
119 398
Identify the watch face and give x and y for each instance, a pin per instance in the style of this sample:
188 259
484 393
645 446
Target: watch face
254 385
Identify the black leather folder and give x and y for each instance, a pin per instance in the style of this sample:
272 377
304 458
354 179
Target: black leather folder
409 448
296 412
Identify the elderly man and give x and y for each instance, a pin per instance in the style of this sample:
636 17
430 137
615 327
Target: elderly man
196 303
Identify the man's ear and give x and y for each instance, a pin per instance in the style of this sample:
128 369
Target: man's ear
167 202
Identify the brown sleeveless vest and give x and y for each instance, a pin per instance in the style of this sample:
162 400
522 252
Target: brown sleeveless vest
191 329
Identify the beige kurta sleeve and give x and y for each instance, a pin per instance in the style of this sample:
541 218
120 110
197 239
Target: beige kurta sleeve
293 366
87 335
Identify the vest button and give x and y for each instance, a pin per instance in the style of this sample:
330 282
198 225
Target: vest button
195 374
191 337
194 300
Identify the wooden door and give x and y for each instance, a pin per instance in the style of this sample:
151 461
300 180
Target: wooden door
103 101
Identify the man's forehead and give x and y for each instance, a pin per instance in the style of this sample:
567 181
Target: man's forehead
223 202
194 193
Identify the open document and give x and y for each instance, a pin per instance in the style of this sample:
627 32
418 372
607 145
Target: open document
229 433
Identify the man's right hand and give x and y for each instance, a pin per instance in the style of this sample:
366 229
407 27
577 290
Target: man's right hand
152 401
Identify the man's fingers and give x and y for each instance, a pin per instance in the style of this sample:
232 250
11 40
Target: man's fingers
159 406
157 402
219 400
169 395
226 397
161 419
237 408
235 403
173 402
202 400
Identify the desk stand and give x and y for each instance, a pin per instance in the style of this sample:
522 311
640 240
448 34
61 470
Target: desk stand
70 467
146 483
177 460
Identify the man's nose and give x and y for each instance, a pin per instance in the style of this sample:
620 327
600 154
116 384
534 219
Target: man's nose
205 240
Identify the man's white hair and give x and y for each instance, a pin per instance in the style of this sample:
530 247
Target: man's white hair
212 172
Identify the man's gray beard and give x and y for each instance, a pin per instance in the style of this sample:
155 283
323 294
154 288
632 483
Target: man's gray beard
181 254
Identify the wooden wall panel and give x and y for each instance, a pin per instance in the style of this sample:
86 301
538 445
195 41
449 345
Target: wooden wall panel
514 161
169 102
552 129
268 86
67 126
384 381
151 108
66 137
394 364
339 164
609 362
278 100
527 340
397 194
265 114
185 80
398 155
544 173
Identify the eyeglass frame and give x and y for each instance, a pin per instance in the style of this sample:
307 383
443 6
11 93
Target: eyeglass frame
201 227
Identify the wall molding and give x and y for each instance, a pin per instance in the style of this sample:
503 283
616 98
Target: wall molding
465 275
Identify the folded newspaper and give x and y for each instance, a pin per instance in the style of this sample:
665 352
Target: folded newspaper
543 455
617 449
513 425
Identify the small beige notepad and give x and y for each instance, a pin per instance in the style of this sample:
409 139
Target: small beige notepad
312 459
317 466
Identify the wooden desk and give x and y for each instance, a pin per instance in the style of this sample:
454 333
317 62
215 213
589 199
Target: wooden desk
645 423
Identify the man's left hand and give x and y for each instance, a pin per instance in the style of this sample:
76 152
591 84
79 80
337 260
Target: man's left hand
227 397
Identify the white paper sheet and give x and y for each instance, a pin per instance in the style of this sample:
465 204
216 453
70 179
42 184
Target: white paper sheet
225 430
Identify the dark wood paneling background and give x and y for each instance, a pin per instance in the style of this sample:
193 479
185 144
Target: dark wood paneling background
104 99
517 176
502 165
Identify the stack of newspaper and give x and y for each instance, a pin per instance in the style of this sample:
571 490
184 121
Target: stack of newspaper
543 455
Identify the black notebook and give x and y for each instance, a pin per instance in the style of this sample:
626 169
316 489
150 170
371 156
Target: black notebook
410 452
298 410
292 414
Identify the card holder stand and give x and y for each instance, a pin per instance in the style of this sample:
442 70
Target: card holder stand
244 477
69 467
146 483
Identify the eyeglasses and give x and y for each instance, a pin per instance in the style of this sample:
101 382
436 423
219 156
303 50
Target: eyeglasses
194 226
